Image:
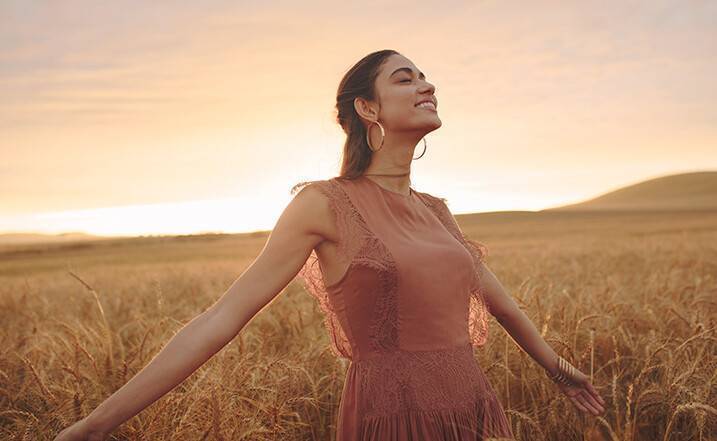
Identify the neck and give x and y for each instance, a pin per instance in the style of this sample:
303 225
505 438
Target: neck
391 165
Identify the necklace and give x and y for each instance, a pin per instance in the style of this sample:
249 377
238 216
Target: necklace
380 174
410 190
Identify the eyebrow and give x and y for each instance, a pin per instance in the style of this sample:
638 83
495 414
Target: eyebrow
409 70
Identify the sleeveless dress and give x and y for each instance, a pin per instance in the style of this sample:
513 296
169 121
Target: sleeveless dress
406 314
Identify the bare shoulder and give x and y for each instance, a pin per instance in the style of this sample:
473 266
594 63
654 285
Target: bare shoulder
312 208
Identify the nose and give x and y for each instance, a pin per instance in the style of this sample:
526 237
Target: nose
428 88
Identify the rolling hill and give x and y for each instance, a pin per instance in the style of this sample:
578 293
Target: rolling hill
684 191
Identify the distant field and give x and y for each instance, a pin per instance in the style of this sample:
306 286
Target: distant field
629 297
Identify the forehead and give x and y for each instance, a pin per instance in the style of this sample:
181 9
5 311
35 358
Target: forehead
396 62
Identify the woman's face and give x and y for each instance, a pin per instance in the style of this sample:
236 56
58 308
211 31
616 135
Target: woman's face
400 86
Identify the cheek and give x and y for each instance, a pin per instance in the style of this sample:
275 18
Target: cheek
400 101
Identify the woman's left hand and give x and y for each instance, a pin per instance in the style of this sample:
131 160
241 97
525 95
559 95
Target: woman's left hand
583 394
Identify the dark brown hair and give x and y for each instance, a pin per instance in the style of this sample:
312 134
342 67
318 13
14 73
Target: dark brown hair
359 81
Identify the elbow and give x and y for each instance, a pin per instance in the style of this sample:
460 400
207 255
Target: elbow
221 328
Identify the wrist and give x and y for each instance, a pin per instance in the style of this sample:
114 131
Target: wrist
552 369
97 425
562 372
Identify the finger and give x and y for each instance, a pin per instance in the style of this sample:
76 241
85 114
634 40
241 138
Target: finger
595 400
578 404
595 403
596 394
585 402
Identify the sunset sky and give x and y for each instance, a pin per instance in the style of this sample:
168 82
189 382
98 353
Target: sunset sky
125 118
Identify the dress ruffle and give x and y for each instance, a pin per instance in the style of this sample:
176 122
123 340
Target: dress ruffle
485 420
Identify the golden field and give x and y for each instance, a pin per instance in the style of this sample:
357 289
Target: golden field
629 297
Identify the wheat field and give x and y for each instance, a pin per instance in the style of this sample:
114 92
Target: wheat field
630 298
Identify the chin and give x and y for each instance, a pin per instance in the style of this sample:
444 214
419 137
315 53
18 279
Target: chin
429 128
437 124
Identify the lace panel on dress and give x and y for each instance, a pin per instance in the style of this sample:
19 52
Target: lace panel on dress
479 308
359 246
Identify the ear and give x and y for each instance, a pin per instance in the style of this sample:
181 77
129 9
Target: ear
364 110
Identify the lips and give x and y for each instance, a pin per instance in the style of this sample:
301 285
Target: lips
428 100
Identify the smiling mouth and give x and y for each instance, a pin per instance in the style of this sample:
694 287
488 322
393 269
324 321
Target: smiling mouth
427 105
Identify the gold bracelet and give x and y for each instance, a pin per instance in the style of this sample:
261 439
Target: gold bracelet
566 372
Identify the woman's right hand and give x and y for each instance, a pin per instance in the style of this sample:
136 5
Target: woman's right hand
81 431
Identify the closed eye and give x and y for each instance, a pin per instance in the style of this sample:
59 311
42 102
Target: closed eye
404 80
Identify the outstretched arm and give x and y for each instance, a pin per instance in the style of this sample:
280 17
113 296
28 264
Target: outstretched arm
296 233
524 333
190 348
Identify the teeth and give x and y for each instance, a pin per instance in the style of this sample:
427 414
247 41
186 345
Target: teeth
427 104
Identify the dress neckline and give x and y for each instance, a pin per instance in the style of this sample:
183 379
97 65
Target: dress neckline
411 191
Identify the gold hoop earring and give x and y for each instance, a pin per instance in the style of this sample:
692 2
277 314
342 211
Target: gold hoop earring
424 148
383 136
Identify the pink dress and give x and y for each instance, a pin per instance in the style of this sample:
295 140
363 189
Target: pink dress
406 313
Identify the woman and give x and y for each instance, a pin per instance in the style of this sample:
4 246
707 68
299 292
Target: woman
405 292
